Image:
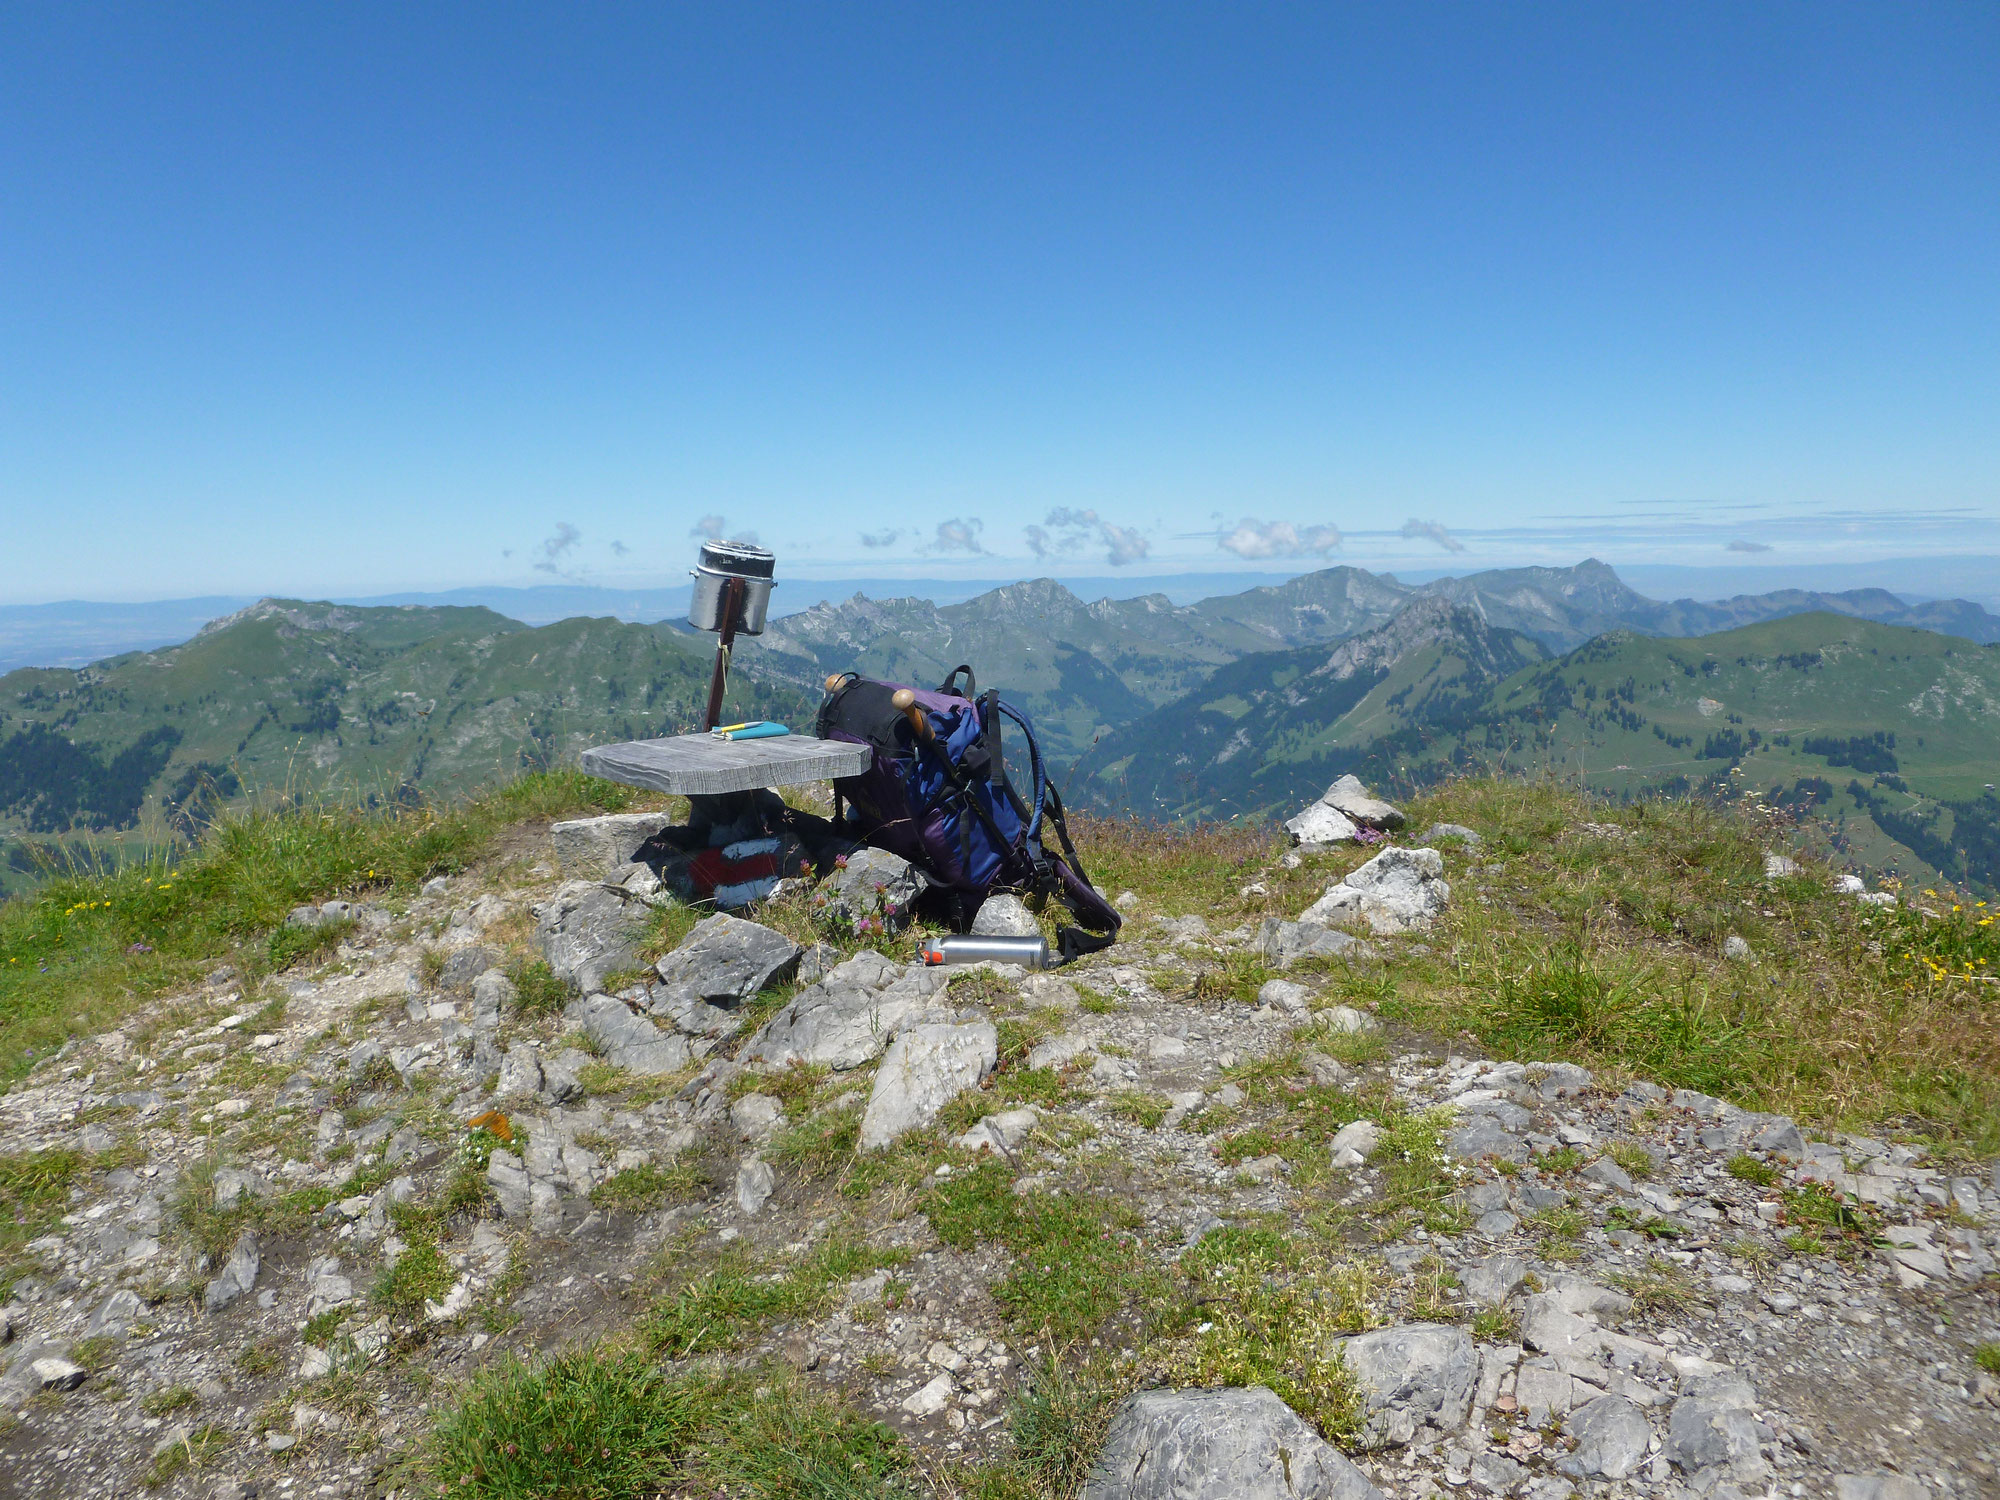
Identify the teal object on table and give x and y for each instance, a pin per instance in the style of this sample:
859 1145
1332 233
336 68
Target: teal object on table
764 730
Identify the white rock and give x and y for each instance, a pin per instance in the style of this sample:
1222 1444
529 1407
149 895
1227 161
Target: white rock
1849 885
1320 824
755 1182
926 1067
1353 1144
1352 798
755 1116
1001 1133
1294 999
1399 890
1003 915
1780 867
930 1399
1345 1018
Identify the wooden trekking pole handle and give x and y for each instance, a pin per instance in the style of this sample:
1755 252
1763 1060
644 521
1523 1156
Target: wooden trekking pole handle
905 703
833 680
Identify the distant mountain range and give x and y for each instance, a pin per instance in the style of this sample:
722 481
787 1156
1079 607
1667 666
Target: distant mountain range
1886 738
1084 670
1229 705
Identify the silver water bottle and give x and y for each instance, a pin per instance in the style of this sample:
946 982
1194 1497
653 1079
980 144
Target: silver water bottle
966 948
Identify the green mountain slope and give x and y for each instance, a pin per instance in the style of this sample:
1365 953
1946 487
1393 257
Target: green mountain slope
314 697
1885 740
1270 731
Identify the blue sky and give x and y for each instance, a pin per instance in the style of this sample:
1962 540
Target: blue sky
332 299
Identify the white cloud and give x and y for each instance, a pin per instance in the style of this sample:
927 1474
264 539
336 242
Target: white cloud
708 529
556 546
1742 546
874 540
958 535
1432 531
1251 538
1067 529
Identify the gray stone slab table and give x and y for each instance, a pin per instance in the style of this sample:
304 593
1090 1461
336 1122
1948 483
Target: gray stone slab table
700 765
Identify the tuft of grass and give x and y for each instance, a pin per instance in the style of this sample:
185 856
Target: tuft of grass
725 1305
602 1422
1265 1310
1093 1002
200 1446
319 1330
1076 1255
1419 1176
1636 1160
421 1274
1056 1422
288 946
1987 1357
87 950
167 1400
260 1358
1657 1286
34 1191
1496 1325
1560 1227
639 1189
1749 1169
592 1424
1603 952
1140 1106
539 990
430 967
1560 1159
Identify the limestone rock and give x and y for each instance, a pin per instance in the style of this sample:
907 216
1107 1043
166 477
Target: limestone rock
1320 824
723 962
1780 867
509 1181
587 932
874 885
239 1274
1001 1133
755 1182
1004 915
1737 949
493 995
927 1066
1284 943
1493 1280
1351 797
1716 1427
54 1373
1399 890
628 1041
604 848
520 1071
562 1075
464 965
1611 1439
1413 1376
755 1116
1294 999
1354 1143
1228 1444
848 1018
1879 1486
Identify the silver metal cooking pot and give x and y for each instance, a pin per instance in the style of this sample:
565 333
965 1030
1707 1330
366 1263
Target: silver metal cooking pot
720 562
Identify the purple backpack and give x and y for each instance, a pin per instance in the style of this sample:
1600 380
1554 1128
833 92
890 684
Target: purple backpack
940 797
